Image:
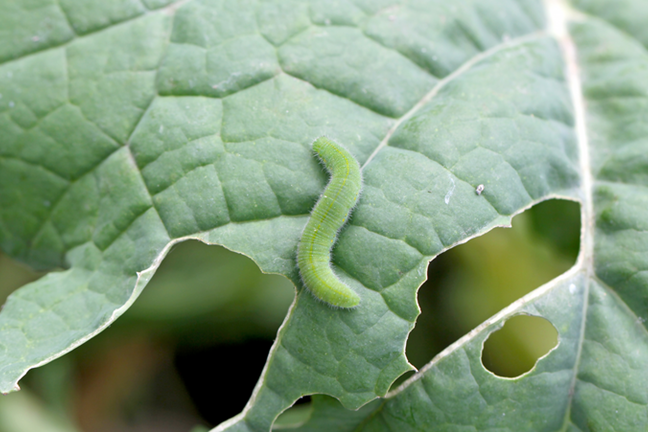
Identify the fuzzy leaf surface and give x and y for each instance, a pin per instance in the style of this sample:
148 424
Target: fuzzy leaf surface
129 126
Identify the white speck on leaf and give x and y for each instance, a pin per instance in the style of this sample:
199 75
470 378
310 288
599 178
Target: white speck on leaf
35 38
451 191
572 288
479 189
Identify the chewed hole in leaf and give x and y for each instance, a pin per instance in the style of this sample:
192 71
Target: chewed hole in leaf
198 281
472 282
514 349
221 314
216 315
296 415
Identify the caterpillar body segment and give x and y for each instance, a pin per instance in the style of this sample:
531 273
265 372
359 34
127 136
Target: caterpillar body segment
327 218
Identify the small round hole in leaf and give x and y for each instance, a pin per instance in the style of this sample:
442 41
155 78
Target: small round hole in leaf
515 348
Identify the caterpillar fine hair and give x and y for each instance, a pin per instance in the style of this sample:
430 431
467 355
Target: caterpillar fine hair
327 218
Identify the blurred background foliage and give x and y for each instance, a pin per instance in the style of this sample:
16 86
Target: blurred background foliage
188 353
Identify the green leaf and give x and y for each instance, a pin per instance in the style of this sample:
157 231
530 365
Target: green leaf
130 126
24 412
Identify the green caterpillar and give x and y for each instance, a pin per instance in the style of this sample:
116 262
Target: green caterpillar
329 215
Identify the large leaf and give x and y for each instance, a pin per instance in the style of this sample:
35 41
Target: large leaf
126 127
